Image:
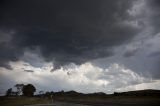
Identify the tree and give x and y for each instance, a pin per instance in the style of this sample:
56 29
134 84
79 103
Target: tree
41 92
9 92
28 90
19 88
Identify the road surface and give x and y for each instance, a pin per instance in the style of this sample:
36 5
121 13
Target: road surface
58 104
73 104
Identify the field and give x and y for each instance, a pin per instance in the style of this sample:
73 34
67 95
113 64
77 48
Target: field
116 101
71 98
21 101
90 101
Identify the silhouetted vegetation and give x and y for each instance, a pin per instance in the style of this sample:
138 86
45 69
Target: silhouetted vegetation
139 93
101 94
9 92
142 98
28 90
24 90
19 88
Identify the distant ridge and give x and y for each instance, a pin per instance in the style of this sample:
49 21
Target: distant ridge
147 92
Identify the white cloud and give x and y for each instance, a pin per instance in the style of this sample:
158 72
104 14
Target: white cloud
152 85
83 78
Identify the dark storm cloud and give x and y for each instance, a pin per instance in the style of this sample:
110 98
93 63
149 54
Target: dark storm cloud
30 71
155 20
154 54
65 31
130 53
8 53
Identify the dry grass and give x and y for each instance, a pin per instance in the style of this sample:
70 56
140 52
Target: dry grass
21 101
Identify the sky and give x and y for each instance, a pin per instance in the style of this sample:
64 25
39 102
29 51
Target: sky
87 46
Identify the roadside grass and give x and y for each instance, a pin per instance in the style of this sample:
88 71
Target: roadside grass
22 101
111 100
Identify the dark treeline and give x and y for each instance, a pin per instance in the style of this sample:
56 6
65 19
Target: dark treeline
100 94
148 92
22 90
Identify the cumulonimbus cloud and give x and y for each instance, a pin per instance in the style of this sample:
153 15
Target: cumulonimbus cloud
83 78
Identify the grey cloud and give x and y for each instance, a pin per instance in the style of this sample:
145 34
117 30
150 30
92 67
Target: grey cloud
30 71
8 53
154 54
66 31
145 61
154 6
130 53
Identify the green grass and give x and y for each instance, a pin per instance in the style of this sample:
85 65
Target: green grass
21 101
